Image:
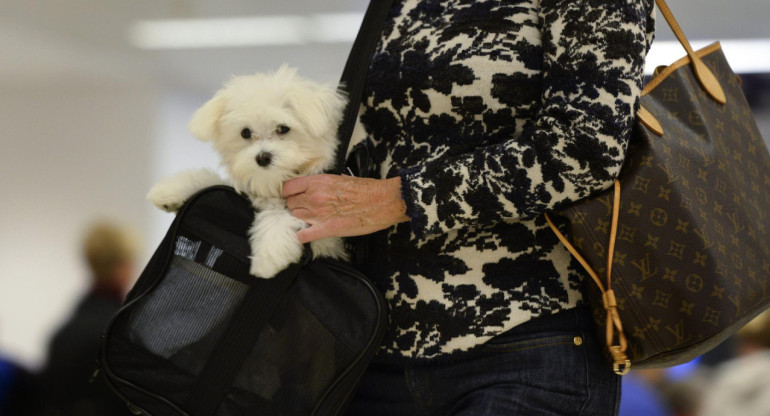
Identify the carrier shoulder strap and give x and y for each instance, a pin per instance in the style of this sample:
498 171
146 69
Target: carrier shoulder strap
354 73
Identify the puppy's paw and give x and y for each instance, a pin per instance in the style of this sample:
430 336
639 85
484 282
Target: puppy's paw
274 244
329 247
271 256
265 267
171 193
264 270
167 196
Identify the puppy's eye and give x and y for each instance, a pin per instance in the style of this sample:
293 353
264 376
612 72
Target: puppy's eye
246 133
282 129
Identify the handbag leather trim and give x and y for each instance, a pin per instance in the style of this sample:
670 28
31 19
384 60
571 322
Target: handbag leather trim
685 60
621 364
702 73
649 121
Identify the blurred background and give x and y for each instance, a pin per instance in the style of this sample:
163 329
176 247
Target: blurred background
95 96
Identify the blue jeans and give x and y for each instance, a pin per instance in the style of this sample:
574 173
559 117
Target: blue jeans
549 366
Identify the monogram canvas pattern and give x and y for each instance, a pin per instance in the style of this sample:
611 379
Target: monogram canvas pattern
692 255
493 113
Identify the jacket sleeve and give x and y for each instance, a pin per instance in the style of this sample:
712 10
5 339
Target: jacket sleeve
593 61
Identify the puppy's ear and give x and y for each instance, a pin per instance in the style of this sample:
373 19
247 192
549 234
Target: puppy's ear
204 123
319 108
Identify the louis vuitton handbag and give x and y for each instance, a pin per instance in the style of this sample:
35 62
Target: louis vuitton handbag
682 237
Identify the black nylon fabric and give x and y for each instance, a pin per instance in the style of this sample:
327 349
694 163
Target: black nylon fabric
200 336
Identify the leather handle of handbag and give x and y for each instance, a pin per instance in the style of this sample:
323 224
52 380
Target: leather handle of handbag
617 343
702 72
704 75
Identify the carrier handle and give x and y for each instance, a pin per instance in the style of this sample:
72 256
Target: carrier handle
354 73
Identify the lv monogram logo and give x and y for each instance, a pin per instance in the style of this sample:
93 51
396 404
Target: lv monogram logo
733 217
598 249
578 217
694 283
720 186
670 94
607 202
704 235
659 217
737 261
712 316
679 333
707 160
701 195
643 265
651 326
669 173
753 169
736 301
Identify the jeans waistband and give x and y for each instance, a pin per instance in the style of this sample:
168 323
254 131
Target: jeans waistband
576 318
570 320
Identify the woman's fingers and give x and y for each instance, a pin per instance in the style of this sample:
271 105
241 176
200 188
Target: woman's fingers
312 233
343 206
301 213
295 186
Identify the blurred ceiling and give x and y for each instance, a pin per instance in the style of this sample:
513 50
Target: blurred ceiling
74 42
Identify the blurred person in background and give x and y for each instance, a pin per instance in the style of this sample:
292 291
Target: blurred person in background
17 388
110 251
741 386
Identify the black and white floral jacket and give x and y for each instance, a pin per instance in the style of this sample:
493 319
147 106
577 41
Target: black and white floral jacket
492 113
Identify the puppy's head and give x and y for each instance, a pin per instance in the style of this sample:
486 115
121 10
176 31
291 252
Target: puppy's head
271 127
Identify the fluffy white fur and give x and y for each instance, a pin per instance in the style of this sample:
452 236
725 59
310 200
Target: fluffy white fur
293 132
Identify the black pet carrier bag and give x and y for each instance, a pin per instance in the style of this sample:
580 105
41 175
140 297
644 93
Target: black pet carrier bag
199 335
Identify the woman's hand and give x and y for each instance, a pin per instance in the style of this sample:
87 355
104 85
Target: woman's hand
344 206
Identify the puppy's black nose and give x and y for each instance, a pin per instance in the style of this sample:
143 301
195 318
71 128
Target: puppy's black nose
264 159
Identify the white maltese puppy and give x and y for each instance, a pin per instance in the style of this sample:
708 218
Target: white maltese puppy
267 128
